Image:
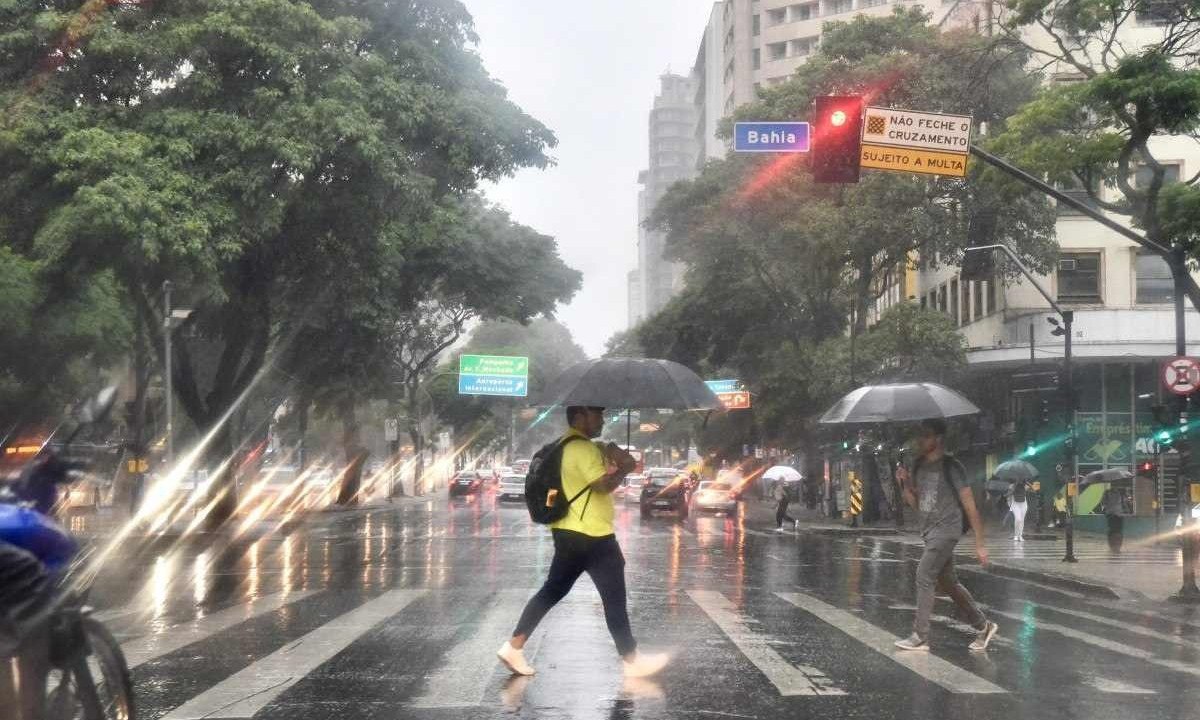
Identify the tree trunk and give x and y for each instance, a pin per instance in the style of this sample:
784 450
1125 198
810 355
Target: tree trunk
224 487
418 439
355 454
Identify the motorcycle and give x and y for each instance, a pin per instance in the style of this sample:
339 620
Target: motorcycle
64 664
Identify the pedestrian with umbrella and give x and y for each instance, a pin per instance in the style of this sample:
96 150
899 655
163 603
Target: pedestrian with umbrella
781 475
1018 474
936 487
588 472
1112 502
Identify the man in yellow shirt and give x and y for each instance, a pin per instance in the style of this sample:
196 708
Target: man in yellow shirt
584 541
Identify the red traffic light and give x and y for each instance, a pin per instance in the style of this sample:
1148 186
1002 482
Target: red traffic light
837 144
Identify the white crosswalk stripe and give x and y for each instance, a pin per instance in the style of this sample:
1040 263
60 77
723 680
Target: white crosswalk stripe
1096 641
474 657
150 647
1123 625
929 666
787 678
246 692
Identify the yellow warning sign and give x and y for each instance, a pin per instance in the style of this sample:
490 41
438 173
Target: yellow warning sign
1195 492
913 160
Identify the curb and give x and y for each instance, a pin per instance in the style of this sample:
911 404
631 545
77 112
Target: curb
848 531
1065 582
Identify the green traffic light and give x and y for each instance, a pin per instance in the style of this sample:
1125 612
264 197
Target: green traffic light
1030 450
1163 437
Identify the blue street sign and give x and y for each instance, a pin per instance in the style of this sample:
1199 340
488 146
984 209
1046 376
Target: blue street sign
724 386
504 385
780 137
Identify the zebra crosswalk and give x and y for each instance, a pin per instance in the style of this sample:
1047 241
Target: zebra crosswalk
464 669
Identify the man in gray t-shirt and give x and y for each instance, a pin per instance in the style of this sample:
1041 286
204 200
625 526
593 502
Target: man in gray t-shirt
943 498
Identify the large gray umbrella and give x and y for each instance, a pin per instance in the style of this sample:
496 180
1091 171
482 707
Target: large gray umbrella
630 383
898 402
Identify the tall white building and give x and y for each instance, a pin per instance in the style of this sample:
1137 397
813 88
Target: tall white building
672 157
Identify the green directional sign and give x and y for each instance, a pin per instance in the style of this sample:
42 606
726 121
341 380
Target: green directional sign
493 365
493 375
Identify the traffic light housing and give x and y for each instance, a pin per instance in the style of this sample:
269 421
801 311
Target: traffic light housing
1043 412
837 138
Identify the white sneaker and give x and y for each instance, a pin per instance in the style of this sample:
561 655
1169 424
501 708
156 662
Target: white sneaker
780 529
913 642
984 637
514 660
646 665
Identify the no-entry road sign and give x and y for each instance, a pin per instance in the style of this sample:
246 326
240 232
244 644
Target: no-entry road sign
776 137
1181 375
917 142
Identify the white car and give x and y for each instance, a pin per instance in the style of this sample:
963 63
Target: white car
512 487
716 496
631 489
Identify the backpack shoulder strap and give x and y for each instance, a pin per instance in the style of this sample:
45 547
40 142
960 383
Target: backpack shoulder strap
562 445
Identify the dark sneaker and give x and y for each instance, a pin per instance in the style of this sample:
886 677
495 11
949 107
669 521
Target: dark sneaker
984 637
913 642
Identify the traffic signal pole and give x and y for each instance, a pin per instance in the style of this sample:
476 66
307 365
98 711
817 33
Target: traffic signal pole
1176 255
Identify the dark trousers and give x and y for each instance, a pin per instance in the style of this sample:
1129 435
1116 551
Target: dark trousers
575 554
781 512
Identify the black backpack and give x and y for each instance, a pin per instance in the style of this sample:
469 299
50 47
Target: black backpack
545 474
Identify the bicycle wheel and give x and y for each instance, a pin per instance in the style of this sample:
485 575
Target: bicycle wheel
95 687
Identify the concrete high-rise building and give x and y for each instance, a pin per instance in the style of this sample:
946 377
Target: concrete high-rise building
633 298
672 131
751 44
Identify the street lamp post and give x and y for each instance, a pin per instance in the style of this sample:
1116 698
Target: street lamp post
1066 331
168 380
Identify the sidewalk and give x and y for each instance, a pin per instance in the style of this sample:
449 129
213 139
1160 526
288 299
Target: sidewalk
1141 570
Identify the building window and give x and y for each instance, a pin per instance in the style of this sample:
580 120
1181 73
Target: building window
1076 190
1144 174
1154 281
1079 277
942 298
804 46
924 302
993 300
840 6
777 17
977 296
964 313
871 3
756 25
756 58
800 13
954 301
777 51
1158 12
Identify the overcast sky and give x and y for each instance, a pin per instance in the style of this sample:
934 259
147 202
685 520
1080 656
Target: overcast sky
588 70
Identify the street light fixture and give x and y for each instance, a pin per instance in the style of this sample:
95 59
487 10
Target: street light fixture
1061 329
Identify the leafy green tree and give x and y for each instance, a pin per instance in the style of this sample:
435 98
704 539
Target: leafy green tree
252 151
1126 79
775 264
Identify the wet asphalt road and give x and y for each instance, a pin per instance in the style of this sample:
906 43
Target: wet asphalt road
396 612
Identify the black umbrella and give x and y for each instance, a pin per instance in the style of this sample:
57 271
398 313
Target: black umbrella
1111 475
899 402
1015 470
630 383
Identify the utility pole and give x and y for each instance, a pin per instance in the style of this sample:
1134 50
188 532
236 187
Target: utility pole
1067 331
168 379
1188 592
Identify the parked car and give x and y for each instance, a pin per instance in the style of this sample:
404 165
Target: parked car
512 487
466 482
277 487
715 496
521 467
664 492
1195 520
